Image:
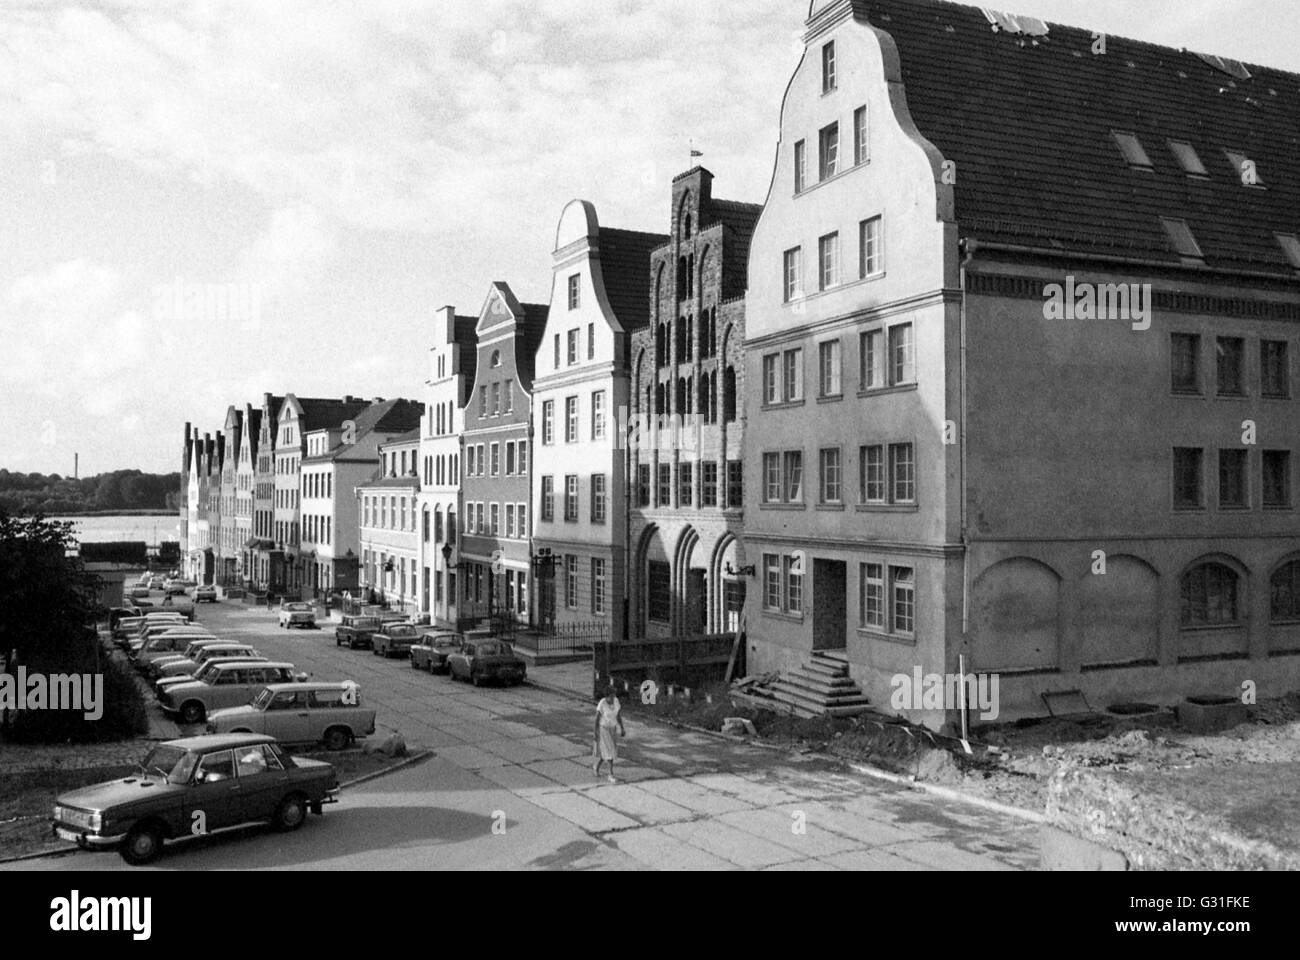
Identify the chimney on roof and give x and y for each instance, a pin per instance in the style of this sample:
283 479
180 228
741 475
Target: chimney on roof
377 400
447 323
348 398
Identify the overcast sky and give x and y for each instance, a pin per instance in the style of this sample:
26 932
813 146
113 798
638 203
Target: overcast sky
356 165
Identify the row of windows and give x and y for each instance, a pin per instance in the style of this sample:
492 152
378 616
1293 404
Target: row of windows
598 492
572 341
830 264
886 358
318 529
828 150
1210 596
442 470
388 512
688 494
286 499
1230 367
1234 486
571 423
484 519
886 475
318 484
440 416
478 588
599 596
496 399
705 336
484 460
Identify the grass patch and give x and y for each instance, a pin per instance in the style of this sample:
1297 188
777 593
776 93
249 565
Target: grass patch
26 803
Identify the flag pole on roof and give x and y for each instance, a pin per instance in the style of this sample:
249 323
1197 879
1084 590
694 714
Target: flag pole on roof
694 153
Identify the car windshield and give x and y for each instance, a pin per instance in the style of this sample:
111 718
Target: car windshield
262 699
299 606
171 763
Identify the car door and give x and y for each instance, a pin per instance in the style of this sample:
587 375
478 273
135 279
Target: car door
215 793
287 716
262 781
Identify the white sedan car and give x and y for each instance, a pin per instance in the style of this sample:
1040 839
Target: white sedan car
297 614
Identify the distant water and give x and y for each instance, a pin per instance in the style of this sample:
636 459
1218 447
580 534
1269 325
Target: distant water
152 529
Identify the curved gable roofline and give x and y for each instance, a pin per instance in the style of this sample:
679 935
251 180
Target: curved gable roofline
578 221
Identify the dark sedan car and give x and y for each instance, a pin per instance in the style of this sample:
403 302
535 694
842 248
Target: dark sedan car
394 640
479 661
193 787
432 650
356 631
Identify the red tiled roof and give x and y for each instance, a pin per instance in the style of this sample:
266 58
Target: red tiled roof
625 268
1030 128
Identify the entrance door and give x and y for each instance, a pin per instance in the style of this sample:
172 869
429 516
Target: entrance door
830 618
696 601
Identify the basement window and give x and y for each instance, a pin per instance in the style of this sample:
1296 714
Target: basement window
1182 240
1131 147
1291 247
1187 156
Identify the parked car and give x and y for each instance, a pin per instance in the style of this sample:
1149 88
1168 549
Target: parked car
152 666
233 684
163 645
204 673
296 613
232 780
394 639
205 594
176 587
481 660
356 631
139 593
329 713
431 651
188 666
156 583
130 626
184 607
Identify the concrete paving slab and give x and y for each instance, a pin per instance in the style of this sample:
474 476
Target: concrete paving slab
731 844
873 860
778 826
652 846
638 804
695 798
942 856
583 812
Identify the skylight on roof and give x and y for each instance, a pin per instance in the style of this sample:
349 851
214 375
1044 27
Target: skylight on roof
1233 68
1187 156
1181 239
1131 147
1291 247
1245 168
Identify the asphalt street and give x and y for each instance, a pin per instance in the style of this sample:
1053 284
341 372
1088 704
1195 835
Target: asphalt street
510 786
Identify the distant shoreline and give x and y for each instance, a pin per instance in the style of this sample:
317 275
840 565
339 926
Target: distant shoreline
109 513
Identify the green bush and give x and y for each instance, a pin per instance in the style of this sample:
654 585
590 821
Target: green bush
124 715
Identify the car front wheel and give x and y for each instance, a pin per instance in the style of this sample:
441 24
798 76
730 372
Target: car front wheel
291 813
192 712
142 845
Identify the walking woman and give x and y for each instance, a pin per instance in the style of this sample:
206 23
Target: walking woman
608 719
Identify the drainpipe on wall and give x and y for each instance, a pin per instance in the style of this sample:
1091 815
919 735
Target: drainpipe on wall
967 247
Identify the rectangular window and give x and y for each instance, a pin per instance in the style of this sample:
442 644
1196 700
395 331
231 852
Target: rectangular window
510 519
510 457
829 141
571 497
557 351
1231 355
771 389
902 369
861 146
828 464
735 484
685 491
494 520
548 421
665 491
793 585
521 520
709 483
871 259
1131 149
771 478
570 419
597 585
1277 478
507 397
478 509
496 399
481 457
571 581
548 499
598 505
792 476
771 581
828 367
871 474
1185 362
871 599
496 460
598 415
521 463
871 360
1232 478
828 259
792 375
572 344
902 600
800 166
793 267
828 67
902 474
1274 369
643 484
1187 478
482 401
575 287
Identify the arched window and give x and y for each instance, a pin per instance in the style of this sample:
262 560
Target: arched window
704 397
1284 594
686 227
690 275
680 406
713 398
688 338
690 397
729 394
659 399
683 278
496 358
1209 596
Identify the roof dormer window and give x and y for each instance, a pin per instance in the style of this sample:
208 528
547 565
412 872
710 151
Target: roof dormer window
1189 159
1245 168
1291 247
1183 242
1134 153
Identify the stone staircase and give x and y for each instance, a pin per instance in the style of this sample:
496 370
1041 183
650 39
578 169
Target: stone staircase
819 688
